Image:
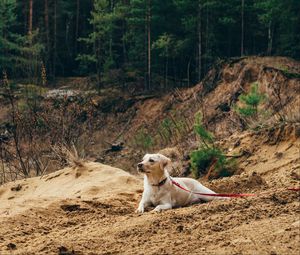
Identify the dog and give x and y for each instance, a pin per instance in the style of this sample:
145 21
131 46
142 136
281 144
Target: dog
159 189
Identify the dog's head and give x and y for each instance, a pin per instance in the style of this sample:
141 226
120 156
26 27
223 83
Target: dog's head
153 163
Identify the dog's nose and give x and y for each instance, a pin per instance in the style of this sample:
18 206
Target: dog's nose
140 165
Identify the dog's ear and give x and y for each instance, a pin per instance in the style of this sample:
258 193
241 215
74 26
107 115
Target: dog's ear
164 161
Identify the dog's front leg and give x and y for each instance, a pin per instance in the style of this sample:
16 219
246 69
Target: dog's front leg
159 208
144 203
141 207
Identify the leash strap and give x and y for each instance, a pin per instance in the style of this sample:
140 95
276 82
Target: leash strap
220 194
294 189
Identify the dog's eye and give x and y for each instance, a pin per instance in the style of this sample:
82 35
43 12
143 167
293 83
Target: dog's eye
151 160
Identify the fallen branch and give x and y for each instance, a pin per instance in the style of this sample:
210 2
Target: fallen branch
212 166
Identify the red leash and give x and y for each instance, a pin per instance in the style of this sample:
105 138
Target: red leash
220 194
294 189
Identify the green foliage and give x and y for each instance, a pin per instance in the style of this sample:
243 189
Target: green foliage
251 102
205 136
172 129
164 44
100 40
143 140
202 158
31 98
19 54
186 36
208 153
166 129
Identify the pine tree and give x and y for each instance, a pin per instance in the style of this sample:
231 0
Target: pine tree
132 37
18 53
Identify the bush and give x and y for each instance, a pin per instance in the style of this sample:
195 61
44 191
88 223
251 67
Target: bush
36 126
250 103
207 153
172 128
143 140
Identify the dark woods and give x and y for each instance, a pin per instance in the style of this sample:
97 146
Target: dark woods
153 43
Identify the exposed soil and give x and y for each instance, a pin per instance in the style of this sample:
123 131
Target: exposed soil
214 97
90 209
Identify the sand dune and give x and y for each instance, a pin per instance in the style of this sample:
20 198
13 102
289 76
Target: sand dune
93 180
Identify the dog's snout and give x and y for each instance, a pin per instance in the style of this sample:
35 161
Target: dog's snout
140 167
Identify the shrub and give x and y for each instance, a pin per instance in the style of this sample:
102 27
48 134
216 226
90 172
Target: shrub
207 153
36 125
143 140
166 130
250 103
172 128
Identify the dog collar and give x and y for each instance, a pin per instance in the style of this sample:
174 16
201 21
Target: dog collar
160 183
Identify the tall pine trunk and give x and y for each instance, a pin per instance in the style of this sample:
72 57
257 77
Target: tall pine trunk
124 31
148 44
54 39
199 41
77 26
124 42
111 31
46 20
270 39
166 68
30 17
242 28
188 72
98 67
206 40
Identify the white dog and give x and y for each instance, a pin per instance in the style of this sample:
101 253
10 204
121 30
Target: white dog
160 191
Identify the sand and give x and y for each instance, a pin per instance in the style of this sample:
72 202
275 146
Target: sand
91 211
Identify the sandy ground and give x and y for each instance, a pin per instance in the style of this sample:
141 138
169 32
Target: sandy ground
91 211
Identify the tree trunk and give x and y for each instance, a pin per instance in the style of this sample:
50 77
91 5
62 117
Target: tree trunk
30 17
167 67
199 41
77 25
46 17
124 42
206 40
54 39
242 28
110 34
98 56
25 14
270 39
46 10
149 44
125 3
188 72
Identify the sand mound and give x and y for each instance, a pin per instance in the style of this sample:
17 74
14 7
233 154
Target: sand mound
92 180
91 211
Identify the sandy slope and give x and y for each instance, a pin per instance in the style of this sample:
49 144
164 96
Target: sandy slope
91 211
94 180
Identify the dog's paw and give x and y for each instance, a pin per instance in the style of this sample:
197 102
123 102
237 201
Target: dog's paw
139 210
157 209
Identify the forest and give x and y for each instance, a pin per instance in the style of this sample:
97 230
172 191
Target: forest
156 44
149 127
